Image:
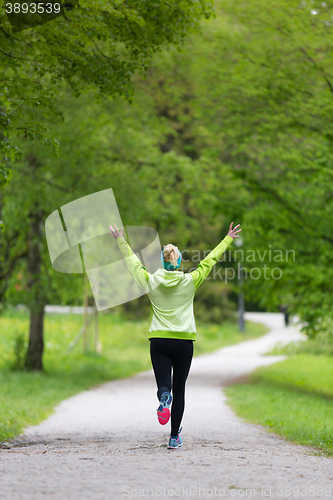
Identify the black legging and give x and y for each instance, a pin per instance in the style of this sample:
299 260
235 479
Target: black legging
176 353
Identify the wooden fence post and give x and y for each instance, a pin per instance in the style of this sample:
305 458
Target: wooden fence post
85 313
96 343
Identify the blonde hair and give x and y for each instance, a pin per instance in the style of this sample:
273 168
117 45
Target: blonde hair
171 254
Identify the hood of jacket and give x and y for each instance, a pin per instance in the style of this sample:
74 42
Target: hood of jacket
168 278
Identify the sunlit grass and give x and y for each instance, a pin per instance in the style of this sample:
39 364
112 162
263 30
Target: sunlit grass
293 398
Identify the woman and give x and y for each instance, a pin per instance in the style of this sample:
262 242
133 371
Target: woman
172 330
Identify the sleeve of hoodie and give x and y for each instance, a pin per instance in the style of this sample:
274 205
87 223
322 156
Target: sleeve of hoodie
206 265
134 265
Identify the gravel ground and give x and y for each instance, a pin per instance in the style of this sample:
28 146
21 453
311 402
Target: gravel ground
106 442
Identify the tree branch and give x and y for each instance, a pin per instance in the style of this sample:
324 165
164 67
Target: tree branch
299 218
318 67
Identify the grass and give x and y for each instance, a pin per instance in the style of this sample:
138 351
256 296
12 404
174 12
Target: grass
321 344
293 398
27 398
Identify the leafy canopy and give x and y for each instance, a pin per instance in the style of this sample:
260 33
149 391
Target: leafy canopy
98 45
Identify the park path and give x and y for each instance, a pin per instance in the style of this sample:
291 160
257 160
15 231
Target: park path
105 443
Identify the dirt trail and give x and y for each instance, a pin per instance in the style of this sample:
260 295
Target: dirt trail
106 442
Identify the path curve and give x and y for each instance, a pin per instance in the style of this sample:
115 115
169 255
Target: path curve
93 448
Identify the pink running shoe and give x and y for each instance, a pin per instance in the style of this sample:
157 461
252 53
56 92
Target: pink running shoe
163 411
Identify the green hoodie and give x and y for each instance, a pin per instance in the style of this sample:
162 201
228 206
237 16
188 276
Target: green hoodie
171 293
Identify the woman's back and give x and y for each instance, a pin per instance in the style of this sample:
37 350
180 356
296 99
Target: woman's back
171 294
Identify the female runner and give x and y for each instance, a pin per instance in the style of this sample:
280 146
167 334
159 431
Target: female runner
172 330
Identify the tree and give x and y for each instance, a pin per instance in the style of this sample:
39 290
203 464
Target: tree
277 134
119 148
97 45
254 94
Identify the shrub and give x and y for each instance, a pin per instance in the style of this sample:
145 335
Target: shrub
19 351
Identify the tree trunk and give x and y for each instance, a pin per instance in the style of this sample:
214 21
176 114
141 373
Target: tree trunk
1 236
37 303
1 253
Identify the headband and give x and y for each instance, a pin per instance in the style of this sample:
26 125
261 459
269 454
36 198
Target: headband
167 265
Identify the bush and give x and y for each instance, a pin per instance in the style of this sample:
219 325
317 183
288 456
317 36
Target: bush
19 351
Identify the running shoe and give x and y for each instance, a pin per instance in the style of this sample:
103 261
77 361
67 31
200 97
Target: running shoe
163 411
175 443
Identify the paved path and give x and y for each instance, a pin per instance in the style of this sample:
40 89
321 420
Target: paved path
93 447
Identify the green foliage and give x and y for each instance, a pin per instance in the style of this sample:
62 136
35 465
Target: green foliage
26 398
254 97
98 45
277 134
236 126
292 398
19 350
115 148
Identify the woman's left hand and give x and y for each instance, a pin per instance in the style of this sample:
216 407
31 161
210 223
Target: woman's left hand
232 231
114 232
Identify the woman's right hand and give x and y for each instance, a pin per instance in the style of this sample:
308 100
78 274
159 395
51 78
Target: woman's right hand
232 231
115 232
